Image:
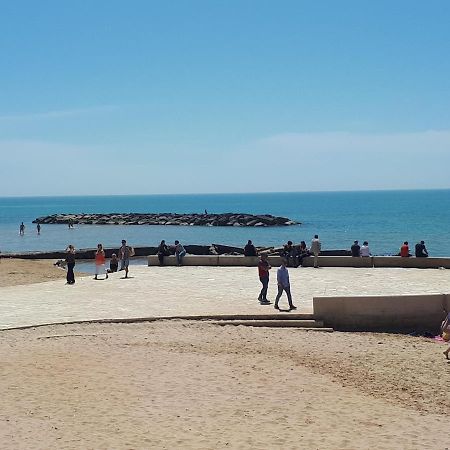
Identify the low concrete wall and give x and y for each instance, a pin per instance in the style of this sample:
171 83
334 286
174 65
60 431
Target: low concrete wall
324 261
406 313
214 260
413 262
338 261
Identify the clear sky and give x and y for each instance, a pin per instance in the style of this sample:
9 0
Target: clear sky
143 97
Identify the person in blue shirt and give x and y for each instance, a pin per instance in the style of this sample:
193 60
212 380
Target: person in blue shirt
283 285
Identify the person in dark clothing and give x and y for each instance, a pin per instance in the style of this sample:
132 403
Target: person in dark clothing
263 271
249 249
70 260
289 253
163 250
356 249
113 264
302 252
421 250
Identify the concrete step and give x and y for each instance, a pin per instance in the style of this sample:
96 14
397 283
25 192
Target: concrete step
274 316
304 324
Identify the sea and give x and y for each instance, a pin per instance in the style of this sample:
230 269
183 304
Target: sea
384 218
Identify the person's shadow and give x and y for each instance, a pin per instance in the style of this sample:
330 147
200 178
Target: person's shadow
126 278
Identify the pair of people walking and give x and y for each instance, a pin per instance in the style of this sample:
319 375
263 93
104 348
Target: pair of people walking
282 282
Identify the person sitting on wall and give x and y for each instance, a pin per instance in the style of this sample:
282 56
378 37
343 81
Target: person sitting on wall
302 252
421 250
249 249
365 250
404 250
289 253
356 249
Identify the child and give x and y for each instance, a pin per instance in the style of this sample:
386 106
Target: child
113 264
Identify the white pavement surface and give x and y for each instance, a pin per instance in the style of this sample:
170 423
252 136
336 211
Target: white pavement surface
185 291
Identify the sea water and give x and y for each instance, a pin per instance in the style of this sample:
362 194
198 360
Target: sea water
384 218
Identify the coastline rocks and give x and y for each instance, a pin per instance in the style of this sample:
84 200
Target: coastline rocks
209 220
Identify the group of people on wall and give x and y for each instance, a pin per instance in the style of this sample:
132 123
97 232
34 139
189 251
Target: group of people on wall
364 250
293 254
176 249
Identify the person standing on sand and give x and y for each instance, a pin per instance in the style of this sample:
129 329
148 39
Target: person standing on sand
283 285
263 270
100 262
125 253
21 229
316 246
70 261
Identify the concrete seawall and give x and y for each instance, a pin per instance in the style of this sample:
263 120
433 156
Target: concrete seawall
405 313
324 261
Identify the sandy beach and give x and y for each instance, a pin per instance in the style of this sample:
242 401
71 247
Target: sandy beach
185 384
15 272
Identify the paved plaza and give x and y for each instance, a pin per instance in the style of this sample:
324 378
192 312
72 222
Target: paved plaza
190 291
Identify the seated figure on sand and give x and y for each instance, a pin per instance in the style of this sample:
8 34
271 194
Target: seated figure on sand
113 264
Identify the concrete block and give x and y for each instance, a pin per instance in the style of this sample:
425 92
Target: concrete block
338 261
404 313
412 262
188 260
237 260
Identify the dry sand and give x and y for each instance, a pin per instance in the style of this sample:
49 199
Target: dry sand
175 384
195 385
15 272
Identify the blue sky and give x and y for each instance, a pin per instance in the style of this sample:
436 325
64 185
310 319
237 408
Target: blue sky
146 97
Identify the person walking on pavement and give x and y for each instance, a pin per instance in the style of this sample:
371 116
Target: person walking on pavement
125 252
283 285
263 270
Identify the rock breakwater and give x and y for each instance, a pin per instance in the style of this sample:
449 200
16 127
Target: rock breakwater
211 220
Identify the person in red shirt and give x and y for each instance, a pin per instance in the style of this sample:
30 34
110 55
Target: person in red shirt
404 250
100 262
263 270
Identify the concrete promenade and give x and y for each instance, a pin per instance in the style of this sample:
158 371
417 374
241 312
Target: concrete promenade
190 291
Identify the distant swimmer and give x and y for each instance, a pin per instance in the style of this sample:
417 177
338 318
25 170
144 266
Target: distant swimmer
38 228
21 229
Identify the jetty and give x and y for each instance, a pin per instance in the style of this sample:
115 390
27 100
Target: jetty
209 220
